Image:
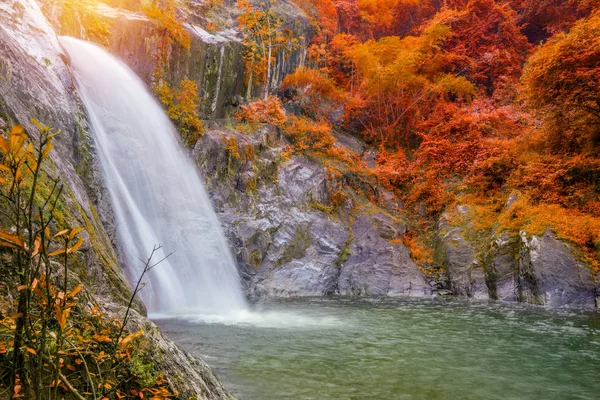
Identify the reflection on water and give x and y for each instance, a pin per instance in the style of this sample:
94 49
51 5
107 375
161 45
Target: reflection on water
401 349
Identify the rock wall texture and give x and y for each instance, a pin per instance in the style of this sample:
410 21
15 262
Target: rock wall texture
537 269
214 60
287 244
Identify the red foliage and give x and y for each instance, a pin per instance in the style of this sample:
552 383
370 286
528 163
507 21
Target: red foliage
486 42
434 85
541 19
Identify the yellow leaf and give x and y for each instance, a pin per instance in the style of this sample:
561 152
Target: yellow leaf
8 240
61 233
76 290
76 247
74 232
56 253
47 149
62 316
30 350
3 181
36 249
4 145
37 123
130 337
17 140
17 130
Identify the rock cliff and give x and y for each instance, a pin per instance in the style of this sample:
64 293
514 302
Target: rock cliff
289 243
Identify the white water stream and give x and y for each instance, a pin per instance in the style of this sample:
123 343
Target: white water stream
156 193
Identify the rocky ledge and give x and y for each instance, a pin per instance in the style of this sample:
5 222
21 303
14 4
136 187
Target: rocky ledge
289 243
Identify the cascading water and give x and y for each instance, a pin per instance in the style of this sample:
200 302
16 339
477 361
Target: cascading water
156 193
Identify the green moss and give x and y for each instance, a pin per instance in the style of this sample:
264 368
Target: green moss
345 253
143 371
297 247
256 259
85 155
321 207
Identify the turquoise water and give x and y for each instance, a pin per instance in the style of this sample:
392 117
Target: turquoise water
405 349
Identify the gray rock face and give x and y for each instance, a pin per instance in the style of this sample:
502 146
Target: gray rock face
377 268
533 269
465 273
552 275
502 276
284 247
284 243
287 246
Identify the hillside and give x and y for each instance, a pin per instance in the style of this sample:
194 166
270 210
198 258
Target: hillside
351 148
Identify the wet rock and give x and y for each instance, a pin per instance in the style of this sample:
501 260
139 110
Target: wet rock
285 241
551 274
502 276
526 268
465 272
377 268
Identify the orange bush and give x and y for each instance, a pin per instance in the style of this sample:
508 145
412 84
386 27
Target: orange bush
269 111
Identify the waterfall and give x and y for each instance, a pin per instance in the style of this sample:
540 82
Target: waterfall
156 192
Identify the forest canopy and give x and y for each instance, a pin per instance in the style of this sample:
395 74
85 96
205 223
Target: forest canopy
469 103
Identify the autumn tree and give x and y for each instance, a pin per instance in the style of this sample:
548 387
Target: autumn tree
486 42
561 81
318 94
541 19
400 80
264 38
395 17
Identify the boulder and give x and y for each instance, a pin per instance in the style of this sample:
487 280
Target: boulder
376 267
459 258
551 274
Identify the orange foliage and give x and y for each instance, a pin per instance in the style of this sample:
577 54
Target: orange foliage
164 13
267 111
419 252
318 93
486 41
435 87
182 107
541 19
307 135
561 80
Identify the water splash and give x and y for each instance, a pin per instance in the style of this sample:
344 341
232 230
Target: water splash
157 195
